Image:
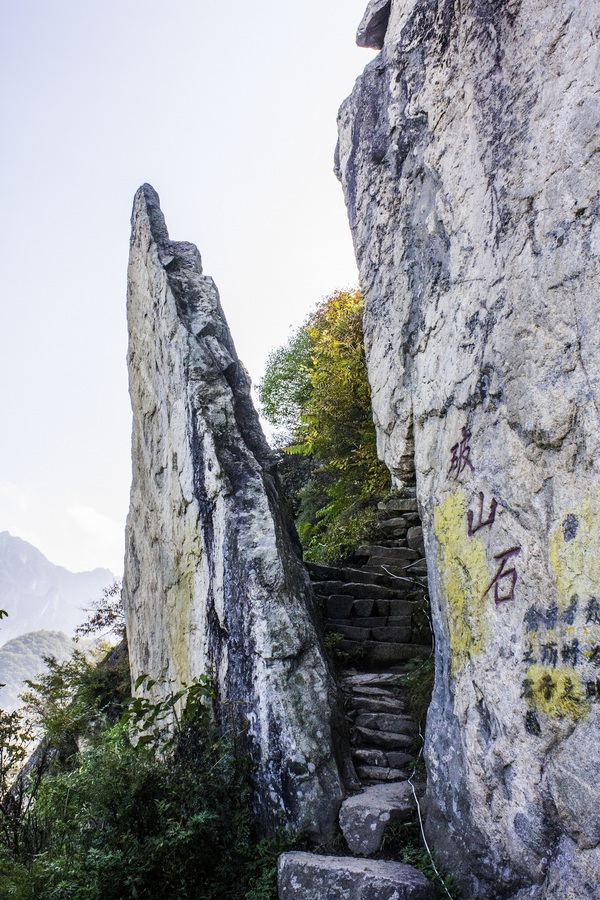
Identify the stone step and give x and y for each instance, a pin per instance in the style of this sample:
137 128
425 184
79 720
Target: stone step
383 653
308 876
384 740
381 775
339 606
392 634
408 504
395 522
391 553
320 572
365 816
352 632
402 565
358 576
398 723
370 757
373 681
377 704
411 570
414 538
363 622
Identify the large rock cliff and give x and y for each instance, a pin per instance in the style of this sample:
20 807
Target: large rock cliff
213 580
469 156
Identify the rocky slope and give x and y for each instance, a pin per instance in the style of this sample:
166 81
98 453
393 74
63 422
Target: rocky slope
213 578
469 156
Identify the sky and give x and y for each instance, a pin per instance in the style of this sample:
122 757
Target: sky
229 111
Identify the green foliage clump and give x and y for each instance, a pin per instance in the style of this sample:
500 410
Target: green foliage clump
127 798
403 841
316 393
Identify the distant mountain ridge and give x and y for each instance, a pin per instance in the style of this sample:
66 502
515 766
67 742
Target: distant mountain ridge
39 595
23 658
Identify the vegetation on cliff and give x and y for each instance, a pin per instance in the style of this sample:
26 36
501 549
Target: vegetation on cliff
112 805
316 395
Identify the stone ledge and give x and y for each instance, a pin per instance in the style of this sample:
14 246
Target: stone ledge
307 876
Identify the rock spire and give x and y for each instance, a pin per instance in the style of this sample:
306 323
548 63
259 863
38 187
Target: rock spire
213 578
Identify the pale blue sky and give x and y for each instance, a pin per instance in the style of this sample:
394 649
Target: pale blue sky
229 111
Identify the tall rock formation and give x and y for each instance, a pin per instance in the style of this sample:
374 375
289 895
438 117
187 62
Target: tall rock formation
469 154
213 580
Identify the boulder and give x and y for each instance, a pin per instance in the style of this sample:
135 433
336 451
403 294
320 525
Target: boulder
365 816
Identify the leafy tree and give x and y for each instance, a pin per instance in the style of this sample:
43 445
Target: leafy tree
106 615
316 393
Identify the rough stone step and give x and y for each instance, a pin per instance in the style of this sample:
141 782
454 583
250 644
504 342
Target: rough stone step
363 608
365 816
406 566
395 522
414 537
386 740
374 681
370 591
395 635
339 606
401 607
409 504
396 759
363 622
327 588
398 572
370 757
319 572
387 552
398 723
381 775
308 876
383 653
358 576
399 759
352 632
377 704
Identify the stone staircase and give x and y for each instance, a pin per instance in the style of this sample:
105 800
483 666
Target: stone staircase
375 615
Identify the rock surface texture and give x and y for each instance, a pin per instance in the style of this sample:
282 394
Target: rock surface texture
306 876
213 580
469 157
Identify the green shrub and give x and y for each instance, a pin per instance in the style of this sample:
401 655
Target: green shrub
133 815
316 394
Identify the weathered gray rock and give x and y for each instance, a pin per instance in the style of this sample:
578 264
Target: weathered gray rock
364 817
371 31
306 876
213 581
469 156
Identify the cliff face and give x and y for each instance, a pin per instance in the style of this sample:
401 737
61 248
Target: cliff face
469 157
213 580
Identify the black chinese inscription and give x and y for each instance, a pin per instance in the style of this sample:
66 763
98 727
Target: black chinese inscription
461 455
549 654
505 579
570 525
571 653
592 612
532 723
473 527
